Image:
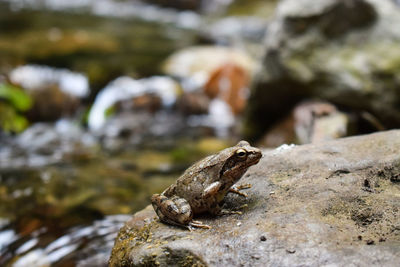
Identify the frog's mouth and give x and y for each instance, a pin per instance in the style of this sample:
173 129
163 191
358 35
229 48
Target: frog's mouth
254 159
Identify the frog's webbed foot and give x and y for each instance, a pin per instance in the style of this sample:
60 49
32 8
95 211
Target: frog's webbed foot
235 189
197 224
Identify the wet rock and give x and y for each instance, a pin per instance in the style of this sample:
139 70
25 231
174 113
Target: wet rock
126 89
319 121
219 118
130 129
315 216
51 104
193 103
56 93
330 51
149 102
35 77
46 143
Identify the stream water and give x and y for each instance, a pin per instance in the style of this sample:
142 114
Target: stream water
68 213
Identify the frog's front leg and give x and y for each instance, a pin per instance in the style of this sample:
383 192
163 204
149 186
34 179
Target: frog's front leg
211 191
218 210
175 211
210 195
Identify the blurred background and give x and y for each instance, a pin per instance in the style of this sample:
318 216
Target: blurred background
105 102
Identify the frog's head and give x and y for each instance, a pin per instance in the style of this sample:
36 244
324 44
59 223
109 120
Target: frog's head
241 157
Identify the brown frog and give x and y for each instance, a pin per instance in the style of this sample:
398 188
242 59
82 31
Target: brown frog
203 186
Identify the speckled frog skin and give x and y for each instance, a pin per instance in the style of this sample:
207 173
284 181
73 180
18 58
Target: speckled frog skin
203 186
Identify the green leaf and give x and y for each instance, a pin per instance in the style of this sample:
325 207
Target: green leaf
17 98
10 120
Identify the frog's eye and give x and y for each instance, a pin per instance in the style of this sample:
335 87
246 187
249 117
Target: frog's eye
241 153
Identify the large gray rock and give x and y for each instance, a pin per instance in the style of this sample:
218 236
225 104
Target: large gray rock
344 51
333 204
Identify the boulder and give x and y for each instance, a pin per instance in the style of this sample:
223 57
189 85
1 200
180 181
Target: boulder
334 203
343 52
309 122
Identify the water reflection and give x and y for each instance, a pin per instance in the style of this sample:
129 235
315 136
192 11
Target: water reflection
73 241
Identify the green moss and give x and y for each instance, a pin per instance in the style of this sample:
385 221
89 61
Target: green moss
126 241
260 8
191 261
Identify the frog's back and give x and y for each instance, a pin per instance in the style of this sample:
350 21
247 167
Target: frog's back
195 177
200 166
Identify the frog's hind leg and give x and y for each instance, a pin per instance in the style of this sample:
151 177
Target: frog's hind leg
172 210
175 210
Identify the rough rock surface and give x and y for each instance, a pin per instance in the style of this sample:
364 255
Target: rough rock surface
343 51
336 203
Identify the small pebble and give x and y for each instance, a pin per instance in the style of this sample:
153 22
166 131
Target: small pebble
290 250
370 242
239 224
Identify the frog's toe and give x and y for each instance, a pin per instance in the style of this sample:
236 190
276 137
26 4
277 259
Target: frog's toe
228 212
198 224
236 191
244 186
